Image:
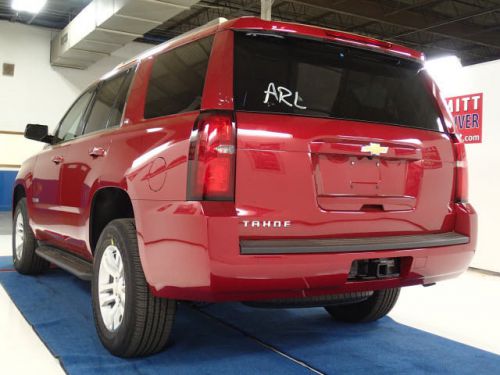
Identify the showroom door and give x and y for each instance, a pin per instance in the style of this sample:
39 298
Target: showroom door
47 215
85 162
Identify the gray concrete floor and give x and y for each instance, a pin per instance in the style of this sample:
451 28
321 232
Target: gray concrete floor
5 222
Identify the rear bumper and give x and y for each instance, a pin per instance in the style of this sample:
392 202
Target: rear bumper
349 245
190 252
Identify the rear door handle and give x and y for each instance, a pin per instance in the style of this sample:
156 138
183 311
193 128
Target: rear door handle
57 159
97 151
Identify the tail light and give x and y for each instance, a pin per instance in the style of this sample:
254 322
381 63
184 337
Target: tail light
461 174
212 154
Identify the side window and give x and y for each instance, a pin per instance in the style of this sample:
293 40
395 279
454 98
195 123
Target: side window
115 117
70 125
177 79
109 103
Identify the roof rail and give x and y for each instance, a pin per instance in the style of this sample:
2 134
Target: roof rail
215 22
151 51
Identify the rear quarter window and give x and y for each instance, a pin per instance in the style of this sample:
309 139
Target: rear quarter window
177 79
291 75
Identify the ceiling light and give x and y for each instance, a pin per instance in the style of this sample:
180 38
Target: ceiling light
443 69
30 6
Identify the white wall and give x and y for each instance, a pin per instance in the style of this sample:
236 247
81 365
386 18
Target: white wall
38 92
483 158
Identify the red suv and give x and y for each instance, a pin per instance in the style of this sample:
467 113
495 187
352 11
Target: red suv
271 163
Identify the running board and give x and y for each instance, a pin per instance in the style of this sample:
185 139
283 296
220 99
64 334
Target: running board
68 262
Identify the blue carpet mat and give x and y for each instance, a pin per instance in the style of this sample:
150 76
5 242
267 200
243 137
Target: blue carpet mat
219 339
338 348
6 263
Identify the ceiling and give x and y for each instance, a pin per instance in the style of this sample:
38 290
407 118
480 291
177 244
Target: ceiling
469 29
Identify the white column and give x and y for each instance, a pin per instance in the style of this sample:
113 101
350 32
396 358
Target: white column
265 9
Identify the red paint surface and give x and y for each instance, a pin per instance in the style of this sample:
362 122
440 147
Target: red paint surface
308 171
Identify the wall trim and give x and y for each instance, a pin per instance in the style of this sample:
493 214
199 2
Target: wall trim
10 166
484 271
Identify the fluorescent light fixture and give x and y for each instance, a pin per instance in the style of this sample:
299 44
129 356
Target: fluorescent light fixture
30 6
443 69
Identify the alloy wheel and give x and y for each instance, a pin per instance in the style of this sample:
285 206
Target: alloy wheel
19 235
111 288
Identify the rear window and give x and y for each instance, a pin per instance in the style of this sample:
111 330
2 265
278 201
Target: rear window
291 75
177 79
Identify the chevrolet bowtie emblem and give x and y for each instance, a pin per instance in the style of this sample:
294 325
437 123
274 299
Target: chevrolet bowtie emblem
375 149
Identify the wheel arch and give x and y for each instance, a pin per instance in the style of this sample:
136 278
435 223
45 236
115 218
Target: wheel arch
108 203
18 193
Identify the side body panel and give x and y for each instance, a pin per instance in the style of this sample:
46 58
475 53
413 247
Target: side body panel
145 158
45 193
81 176
24 179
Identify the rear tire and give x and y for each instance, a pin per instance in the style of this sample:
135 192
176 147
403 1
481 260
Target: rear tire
375 307
130 321
25 260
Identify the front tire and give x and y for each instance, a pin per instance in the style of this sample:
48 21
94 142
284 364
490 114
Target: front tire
25 260
378 305
130 321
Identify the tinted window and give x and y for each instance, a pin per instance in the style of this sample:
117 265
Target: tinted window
115 117
177 79
108 103
310 78
70 125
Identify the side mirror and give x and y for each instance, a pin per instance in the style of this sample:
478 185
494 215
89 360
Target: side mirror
38 133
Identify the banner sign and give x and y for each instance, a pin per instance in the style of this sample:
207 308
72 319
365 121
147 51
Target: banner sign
467 112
